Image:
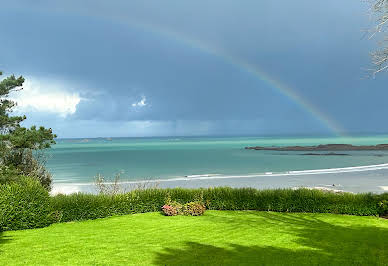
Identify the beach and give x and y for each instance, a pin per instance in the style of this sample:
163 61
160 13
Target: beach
357 180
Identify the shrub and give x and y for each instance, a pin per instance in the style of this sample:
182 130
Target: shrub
383 208
17 164
25 204
8 174
109 188
34 165
113 186
191 208
169 210
194 208
178 207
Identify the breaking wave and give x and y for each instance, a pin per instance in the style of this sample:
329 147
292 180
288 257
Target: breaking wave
266 174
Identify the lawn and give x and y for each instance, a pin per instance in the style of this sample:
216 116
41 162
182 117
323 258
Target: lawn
218 237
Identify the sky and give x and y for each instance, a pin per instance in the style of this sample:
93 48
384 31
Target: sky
223 67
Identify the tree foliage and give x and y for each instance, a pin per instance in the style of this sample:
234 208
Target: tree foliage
7 122
19 146
379 10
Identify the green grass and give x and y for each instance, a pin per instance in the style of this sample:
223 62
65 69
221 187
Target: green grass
218 237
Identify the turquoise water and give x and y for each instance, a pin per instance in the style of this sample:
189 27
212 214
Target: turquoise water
78 161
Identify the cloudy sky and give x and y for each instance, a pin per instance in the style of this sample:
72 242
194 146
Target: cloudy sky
221 67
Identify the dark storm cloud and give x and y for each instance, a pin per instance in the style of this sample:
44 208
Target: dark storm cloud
313 47
123 64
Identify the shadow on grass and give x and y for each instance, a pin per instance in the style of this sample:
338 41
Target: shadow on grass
3 239
319 243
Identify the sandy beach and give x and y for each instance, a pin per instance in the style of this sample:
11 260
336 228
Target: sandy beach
352 179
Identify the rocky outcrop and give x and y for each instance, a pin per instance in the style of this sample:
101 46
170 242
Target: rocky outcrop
324 147
326 154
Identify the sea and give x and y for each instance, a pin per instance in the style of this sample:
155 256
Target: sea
213 160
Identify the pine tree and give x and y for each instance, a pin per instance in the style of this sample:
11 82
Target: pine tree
20 146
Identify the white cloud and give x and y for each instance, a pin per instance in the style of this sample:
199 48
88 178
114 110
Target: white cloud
46 96
140 103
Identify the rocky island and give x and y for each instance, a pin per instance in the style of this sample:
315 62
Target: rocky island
326 154
324 147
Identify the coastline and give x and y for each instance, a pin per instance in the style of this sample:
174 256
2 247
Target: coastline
168 158
359 179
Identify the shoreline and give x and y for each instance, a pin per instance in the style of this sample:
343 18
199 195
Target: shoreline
371 178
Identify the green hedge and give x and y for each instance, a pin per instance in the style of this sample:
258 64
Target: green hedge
86 206
81 206
25 204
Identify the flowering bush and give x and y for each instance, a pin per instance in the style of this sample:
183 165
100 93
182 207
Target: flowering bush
169 210
171 206
194 208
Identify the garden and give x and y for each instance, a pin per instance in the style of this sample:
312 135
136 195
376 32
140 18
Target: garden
191 226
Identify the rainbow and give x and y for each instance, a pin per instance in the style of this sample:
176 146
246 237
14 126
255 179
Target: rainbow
235 61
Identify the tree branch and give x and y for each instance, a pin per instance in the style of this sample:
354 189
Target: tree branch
379 13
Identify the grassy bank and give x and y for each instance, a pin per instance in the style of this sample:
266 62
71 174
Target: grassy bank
218 237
